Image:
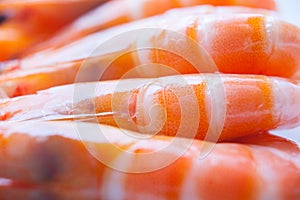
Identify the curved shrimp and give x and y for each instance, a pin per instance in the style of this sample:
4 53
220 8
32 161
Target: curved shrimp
212 107
237 43
23 22
118 12
45 165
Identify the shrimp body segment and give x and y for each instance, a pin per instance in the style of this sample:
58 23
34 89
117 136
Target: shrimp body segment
54 161
212 107
118 12
237 43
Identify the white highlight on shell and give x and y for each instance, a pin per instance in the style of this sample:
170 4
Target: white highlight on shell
286 101
136 8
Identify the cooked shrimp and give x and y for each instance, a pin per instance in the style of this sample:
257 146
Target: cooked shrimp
78 160
49 159
25 23
118 12
237 43
212 107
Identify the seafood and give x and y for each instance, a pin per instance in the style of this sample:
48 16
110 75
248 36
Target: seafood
237 43
50 148
52 160
23 22
105 15
212 107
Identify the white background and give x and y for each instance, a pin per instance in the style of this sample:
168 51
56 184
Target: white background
289 10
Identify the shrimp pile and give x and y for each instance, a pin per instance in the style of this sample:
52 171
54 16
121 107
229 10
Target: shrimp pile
148 99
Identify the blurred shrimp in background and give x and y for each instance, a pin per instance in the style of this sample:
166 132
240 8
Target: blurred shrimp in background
25 23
